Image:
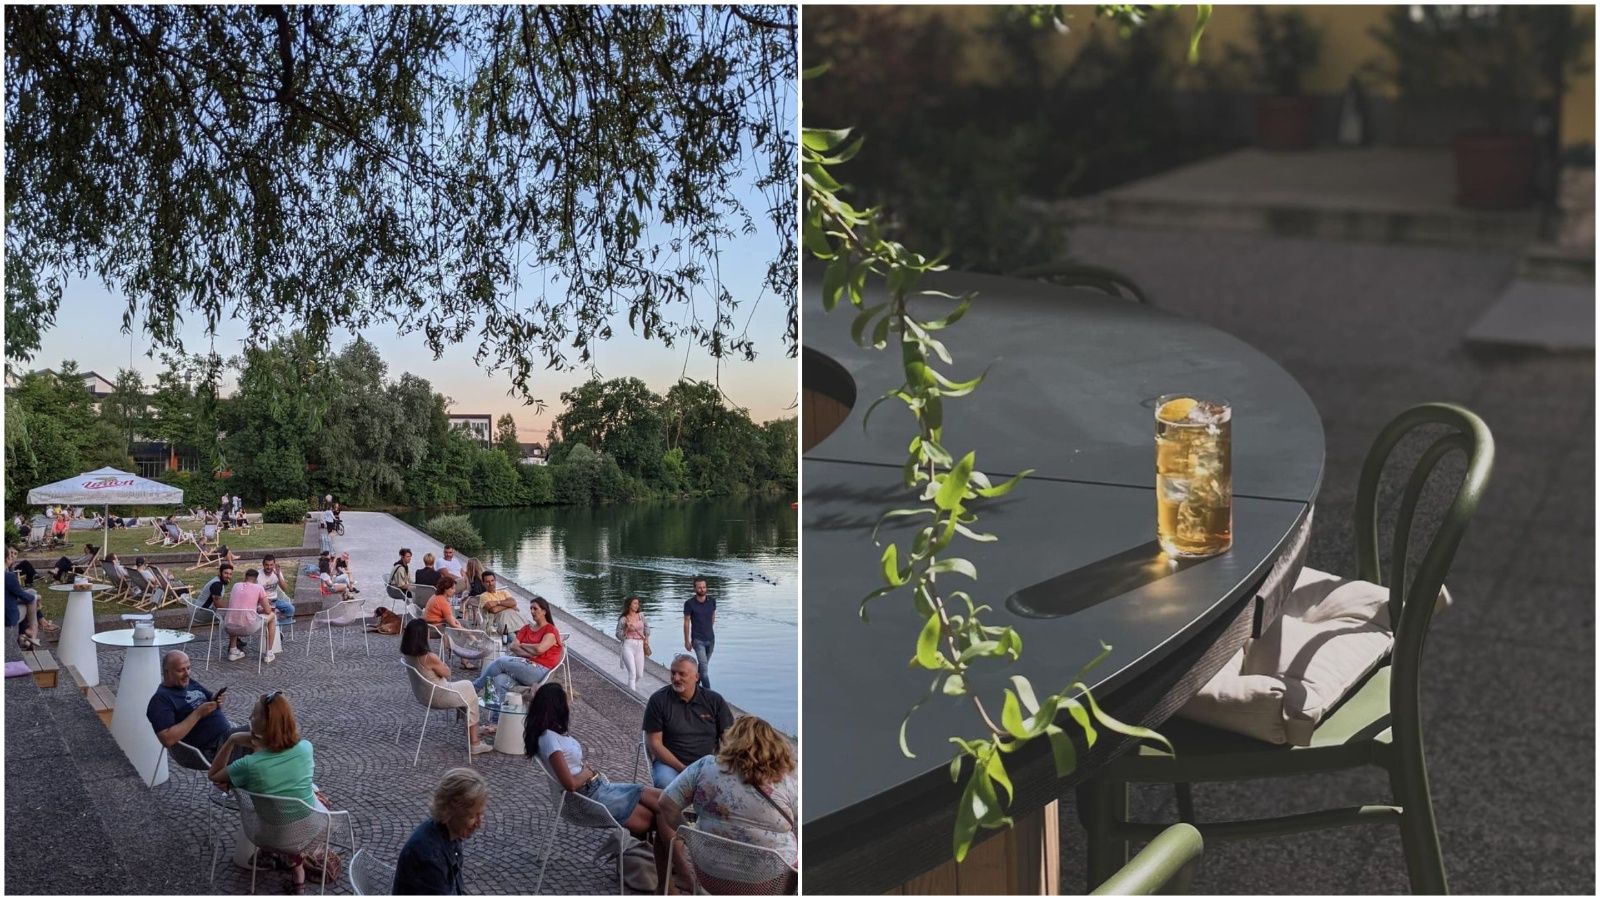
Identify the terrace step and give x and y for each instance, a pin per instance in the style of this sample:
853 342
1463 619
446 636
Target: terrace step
103 701
43 666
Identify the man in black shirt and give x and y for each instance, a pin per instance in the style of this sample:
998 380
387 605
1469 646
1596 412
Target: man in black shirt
683 722
699 629
183 710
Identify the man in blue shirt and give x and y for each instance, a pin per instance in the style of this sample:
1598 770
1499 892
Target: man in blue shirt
183 710
699 628
22 607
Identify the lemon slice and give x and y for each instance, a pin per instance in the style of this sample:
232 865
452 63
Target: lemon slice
1176 410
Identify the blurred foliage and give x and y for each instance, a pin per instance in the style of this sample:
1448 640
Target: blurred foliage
955 158
286 510
1494 60
1286 48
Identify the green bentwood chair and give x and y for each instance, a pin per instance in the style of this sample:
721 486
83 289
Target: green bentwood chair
1166 866
1377 724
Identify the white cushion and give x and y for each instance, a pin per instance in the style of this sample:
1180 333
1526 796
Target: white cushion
1332 634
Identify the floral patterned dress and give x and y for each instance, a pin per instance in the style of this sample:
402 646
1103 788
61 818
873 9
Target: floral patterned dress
730 808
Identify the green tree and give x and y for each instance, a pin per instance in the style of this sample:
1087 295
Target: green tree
505 437
362 165
620 417
125 408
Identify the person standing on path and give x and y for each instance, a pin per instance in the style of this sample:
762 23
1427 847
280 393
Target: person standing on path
634 633
327 528
699 628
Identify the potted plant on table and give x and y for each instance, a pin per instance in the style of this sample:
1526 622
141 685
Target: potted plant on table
1506 66
1286 47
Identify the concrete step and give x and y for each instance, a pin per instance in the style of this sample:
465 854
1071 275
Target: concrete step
1383 194
1553 262
1541 315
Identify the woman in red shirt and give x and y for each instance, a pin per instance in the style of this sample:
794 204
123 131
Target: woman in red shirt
530 658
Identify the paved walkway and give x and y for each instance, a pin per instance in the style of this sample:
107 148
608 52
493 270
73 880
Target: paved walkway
1508 691
373 541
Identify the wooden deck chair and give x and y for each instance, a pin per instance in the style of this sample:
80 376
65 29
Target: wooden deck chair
141 589
168 591
119 583
157 536
88 563
241 525
206 541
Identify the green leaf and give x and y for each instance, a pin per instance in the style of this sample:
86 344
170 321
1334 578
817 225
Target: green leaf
905 747
979 536
1066 755
816 70
891 566
954 316
928 655
996 768
1025 693
955 767
1202 15
1081 716
816 240
955 685
823 139
845 155
1004 488
862 320
966 818
977 649
1011 716
957 565
1110 723
954 487
880 334
833 280
862 612
896 514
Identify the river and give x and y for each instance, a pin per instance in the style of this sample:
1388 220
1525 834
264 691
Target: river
587 560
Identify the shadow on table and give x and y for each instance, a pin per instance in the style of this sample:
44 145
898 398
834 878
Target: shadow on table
1075 591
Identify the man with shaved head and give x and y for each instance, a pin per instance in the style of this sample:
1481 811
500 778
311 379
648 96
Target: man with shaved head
183 710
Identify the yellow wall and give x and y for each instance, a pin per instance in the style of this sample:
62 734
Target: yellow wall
1347 46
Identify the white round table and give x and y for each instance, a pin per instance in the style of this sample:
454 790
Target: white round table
75 646
509 738
141 674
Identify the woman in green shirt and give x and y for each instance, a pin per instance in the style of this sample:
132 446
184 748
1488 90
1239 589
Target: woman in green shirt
279 763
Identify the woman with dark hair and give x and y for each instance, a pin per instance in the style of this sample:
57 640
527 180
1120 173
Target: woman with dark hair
438 611
451 694
64 565
331 585
634 806
530 658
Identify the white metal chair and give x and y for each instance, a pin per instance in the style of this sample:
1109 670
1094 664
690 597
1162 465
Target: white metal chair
430 693
370 877
195 612
288 825
190 757
422 593
643 756
470 644
343 614
726 866
579 811
260 636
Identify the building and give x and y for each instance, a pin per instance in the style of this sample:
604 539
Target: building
479 425
532 454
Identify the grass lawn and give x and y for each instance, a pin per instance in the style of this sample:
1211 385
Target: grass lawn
127 543
54 603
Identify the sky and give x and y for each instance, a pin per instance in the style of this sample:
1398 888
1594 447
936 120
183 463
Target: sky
767 387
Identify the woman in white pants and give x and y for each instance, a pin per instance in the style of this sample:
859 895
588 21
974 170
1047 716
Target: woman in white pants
634 633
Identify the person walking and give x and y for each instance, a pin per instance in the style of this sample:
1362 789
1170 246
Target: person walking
634 633
699 628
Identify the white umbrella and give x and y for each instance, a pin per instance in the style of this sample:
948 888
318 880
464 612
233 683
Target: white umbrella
106 487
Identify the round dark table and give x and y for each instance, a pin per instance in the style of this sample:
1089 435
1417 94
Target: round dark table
1072 376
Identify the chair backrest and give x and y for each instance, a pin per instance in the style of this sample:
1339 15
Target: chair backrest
288 824
576 809
345 612
396 594
138 582
370 877
422 593
188 756
1469 435
468 642
1165 866
421 688
112 575
726 866
210 532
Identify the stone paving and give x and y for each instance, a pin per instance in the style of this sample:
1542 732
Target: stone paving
1508 687
351 710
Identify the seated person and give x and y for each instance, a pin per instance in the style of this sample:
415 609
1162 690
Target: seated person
683 721
272 582
249 612
427 574
438 611
530 658
338 586
400 572
341 569
414 647
549 716
430 862
499 608
64 566
747 792
281 766
211 593
183 710
22 606
58 528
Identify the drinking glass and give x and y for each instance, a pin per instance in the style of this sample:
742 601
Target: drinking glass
1194 475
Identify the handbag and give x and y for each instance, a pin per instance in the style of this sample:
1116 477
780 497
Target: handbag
638 861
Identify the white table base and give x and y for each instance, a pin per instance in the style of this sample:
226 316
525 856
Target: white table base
76 646
141 674
510 736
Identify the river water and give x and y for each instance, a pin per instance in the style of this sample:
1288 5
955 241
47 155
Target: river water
588 560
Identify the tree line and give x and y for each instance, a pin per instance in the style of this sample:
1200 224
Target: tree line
301 425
